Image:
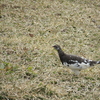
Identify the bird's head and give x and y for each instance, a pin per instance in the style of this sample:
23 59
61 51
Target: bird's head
57 47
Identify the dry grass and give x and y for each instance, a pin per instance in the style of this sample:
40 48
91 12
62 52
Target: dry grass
29 66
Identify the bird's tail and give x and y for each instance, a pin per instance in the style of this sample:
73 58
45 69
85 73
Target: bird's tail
92 63
98 62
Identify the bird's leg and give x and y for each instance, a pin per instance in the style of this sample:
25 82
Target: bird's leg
77 72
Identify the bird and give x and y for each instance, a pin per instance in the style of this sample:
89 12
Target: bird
73 62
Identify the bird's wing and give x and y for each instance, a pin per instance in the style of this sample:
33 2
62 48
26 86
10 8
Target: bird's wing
75 59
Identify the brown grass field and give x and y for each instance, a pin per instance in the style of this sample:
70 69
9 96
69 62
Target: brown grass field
29 67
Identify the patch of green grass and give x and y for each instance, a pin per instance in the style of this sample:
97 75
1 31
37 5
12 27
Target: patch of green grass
27 97
30 75
89 78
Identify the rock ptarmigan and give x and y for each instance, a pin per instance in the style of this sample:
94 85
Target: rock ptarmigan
75 63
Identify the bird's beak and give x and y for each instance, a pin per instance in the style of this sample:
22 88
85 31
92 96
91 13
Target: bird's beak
53 47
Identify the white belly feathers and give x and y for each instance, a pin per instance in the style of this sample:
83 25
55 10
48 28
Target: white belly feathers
77 65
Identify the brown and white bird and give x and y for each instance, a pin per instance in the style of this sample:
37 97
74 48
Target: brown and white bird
75 63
